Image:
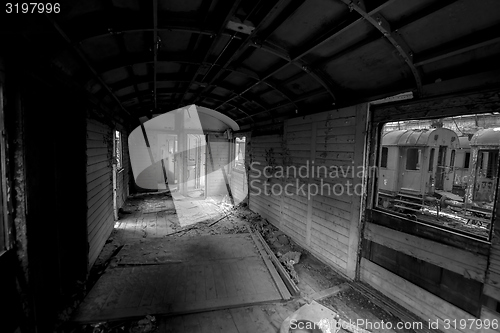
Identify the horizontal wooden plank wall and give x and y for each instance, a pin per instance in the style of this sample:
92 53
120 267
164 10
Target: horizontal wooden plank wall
220 155
492 285
418 300
99 186
467 264
314 207
263 151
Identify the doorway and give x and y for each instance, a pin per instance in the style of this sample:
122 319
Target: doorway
441 168
195 165
167 151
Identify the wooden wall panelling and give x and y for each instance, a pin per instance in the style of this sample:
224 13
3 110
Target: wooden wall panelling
419 301
265 151
465 263
100 218
492 283
320 222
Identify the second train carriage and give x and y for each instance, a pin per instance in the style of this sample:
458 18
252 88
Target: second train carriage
422 169
485 145
418 161
414 164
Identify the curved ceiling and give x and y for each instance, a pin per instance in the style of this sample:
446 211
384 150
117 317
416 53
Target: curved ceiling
262 60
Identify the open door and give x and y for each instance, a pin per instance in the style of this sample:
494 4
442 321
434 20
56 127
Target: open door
441 168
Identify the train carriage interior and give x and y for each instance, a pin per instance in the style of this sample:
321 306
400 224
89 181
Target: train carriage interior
244 165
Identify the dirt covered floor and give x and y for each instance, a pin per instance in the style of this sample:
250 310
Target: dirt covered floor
151 217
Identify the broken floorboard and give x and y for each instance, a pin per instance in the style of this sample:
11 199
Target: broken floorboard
217 279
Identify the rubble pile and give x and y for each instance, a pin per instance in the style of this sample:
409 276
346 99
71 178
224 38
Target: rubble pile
281 245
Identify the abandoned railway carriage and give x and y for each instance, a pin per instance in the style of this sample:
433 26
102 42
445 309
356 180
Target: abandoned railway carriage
99 98
485 145
415 163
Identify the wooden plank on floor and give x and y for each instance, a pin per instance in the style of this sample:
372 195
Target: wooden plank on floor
284 291
179 289
329 292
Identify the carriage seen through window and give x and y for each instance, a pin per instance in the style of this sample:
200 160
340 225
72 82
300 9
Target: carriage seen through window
442 172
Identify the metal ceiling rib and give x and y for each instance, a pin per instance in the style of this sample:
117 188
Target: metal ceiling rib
256 73
244 46
215 40
380 23
282 15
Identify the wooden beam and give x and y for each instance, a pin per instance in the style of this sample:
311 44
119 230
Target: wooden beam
311 94
140 79
429 232
439 106
378 21
280 285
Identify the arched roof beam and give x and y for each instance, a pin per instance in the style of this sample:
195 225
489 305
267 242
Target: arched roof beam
397 41
266 76
130 23
295 100
215 40
160 77
313 72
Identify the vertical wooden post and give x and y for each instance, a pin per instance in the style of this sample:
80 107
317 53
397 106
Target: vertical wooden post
358 202
311 167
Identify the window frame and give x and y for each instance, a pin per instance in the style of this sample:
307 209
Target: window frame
400 222
118 146
384 157
239 165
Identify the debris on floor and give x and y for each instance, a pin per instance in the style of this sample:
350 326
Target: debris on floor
148 324
148 219
288 260
145 325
